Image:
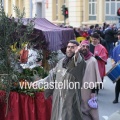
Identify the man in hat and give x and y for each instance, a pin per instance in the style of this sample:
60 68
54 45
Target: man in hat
66 101
91 75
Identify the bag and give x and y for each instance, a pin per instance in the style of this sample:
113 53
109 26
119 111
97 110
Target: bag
23 56
93 103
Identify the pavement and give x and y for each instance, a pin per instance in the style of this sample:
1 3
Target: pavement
106 97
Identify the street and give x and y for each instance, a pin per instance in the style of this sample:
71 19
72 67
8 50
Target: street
106 97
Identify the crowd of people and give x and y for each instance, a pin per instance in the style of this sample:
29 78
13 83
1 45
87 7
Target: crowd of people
107 34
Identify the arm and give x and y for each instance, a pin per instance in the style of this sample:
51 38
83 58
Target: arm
78 59
77 56
50 78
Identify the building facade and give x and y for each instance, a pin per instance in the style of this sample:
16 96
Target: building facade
9 7
83 12
33 8
38 9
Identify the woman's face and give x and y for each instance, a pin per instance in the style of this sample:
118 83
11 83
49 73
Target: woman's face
95 41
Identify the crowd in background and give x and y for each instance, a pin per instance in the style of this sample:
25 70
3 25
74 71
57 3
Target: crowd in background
107 33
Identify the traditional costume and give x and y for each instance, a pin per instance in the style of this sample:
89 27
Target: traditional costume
66 104
101 55
91 75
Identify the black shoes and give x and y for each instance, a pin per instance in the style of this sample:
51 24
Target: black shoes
115 101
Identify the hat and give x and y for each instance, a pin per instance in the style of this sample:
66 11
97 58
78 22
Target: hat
85 42
74 42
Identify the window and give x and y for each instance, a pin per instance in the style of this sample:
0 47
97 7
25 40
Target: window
111 9
92 9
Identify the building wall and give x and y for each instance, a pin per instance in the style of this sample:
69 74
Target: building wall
38 8
100 13
49 13
51 10
75 12
78 12
9 9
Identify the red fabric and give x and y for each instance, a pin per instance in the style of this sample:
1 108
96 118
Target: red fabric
85 34
88 56
23 56
24 107
103 54
85 42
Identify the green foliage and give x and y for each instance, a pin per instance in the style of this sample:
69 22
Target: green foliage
11 30
28 74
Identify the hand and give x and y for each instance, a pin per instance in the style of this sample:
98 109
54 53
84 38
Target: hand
78 49
97 57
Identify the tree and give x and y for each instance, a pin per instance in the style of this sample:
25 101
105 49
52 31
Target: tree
11 31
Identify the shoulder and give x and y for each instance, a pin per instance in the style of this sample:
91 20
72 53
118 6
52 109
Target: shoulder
92 62
93 59
117 47
102 47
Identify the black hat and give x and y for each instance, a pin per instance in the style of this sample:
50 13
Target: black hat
74 42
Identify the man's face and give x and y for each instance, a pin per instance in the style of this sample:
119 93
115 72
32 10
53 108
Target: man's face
95 41
84 49
71 49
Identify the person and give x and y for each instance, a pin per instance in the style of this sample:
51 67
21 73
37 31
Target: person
91 75
90 31
118 35
110 38
116 59
102 41
66 101
100 53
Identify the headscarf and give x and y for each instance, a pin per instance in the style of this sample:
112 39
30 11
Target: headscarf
89 54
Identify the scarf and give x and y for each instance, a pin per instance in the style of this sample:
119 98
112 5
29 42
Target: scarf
66 60
89 55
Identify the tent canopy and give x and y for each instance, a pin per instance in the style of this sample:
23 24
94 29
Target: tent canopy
56 37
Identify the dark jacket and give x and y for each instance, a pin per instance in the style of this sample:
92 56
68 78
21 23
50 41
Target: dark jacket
109 35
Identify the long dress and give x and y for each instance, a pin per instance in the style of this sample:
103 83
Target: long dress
91 75
66 103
